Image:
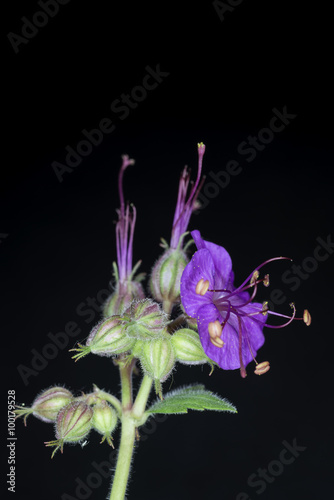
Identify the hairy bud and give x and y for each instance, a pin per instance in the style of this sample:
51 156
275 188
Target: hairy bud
106 339
122 297
104 421
166 275
146 320
158 359
73 424
46 405
188 348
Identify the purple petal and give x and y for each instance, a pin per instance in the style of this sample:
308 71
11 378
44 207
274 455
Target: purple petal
201 266
221 258
227 356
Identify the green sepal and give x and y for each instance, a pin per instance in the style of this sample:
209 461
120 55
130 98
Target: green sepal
194 397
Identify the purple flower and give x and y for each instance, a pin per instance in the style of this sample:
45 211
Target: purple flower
229 323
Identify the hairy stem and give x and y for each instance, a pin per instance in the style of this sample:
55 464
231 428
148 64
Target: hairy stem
125 370
142 397
124 459
131 416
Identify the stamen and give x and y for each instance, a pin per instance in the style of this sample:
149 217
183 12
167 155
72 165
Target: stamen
217 342
254 277
265 308
202 287
292 305
307 318
262 368
243 286
266 280
215 330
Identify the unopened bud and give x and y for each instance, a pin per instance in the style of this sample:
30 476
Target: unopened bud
166 276
146 320
106 339
104 420
122 297
157 359
73 424
188 348
46 405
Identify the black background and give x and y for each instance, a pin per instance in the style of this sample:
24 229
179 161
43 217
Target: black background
225 78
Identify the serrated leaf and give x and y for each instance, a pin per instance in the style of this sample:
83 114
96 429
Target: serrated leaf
194 397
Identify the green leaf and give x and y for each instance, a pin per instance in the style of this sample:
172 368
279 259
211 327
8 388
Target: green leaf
194 397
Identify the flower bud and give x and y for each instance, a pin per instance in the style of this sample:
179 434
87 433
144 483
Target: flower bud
74 422
104 420
158 359
146 320
166 275
188 348
107 338
122 297
47 405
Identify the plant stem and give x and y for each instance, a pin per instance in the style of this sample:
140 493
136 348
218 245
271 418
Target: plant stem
139 406
125 371
124 459
130 419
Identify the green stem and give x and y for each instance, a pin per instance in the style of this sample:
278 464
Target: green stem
167 306
139 406
130 420
125 370
124 459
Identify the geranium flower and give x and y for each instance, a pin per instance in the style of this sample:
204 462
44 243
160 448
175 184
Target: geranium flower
229 323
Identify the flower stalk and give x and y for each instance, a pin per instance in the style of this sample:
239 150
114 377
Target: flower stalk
132 417
124 459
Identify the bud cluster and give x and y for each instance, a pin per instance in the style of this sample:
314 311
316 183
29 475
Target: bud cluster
73 417
142 332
